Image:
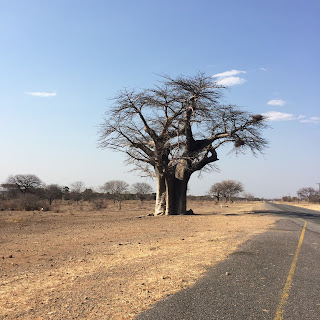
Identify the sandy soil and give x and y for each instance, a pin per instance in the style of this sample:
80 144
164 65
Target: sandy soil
83 264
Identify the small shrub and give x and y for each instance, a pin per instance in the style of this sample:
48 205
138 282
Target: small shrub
99 204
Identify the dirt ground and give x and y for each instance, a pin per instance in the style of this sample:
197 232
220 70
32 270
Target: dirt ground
77 263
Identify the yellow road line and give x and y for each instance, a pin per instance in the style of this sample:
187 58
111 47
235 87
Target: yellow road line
287 286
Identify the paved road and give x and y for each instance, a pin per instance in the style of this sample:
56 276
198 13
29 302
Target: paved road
275 275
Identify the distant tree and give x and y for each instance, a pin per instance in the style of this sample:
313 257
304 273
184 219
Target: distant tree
307 193
10 191
75 196
286 199
117 189
78 186
142 190
24 183
216 191
88 195
315 198
76 191
53 192
248 196
232 188
226 189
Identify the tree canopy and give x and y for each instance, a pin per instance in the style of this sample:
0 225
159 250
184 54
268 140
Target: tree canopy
174 129
307 193
117 188
24 183
226 189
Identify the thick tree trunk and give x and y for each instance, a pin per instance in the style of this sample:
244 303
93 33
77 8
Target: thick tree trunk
177 184
160 206
176 197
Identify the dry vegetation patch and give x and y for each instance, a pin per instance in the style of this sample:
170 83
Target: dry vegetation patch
110 264
311 206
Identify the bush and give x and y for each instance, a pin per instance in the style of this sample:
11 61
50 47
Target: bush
30 202
99 204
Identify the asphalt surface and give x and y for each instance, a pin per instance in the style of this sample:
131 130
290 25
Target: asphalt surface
250 283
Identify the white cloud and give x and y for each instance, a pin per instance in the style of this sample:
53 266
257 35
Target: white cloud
276 102
228 78
311 120
263 69
231 81
228 73
41 94
278 116
281 116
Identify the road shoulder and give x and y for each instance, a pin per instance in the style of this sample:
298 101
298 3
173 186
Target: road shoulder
247 285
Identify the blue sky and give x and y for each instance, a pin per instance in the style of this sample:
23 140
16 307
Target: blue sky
61 61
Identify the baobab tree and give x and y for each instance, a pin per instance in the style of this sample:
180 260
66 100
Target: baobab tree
174 130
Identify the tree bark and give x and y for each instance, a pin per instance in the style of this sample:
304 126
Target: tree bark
176 196
160 206
176 185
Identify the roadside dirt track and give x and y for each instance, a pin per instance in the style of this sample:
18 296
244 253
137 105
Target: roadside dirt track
83 264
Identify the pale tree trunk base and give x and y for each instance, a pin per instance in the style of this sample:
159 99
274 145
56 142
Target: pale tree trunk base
160 206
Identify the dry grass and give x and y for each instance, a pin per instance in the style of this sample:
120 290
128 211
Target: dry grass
311 206
84 264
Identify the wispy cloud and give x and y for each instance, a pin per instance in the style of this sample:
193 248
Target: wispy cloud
281 116
41 94
263 69
228 78
278 116
231 81
276 102
228 73
315 120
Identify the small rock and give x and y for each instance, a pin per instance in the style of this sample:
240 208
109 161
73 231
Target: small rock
227 274
11 256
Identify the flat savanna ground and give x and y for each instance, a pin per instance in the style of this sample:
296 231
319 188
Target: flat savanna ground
78 263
